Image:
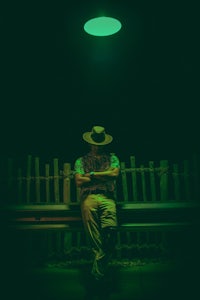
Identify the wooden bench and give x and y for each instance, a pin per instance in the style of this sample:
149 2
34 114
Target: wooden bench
144 229
131 216
158 215
41 217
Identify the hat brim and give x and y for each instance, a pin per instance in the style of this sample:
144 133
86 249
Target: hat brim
88 139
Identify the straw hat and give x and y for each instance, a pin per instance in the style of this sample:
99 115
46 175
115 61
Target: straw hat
97 136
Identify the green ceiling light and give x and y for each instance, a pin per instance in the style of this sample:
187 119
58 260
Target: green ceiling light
102 26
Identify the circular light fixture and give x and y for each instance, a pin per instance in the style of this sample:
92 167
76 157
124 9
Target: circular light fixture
102 26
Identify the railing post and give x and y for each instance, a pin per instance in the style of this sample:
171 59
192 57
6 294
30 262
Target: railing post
196 179
186 179
176 182
37 179
144 194
124 182
152 181
10 180
67 183
134 179
19 177
164 180
28 178
47 187
56 180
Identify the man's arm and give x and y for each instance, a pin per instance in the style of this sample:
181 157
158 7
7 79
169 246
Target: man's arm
80 179
111 173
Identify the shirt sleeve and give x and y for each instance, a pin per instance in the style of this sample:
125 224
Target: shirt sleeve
115 161
78 167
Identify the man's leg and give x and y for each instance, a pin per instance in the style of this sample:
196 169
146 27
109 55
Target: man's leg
90 215
109 236
108 217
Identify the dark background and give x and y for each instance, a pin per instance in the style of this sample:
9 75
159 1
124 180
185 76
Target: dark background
142 83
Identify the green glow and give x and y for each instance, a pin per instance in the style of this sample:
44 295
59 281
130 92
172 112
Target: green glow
102 26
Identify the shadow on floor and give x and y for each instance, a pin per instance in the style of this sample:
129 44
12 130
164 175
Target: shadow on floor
143 282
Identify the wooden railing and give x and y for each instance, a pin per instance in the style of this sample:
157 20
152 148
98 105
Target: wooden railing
53 183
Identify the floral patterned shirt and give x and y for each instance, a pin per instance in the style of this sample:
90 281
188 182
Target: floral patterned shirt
89 163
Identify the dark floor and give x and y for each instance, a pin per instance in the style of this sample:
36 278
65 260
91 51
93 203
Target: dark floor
139 281
176 278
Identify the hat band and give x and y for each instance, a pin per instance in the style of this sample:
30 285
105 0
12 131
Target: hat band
98 138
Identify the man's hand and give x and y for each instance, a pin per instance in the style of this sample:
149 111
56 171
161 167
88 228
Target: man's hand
80 179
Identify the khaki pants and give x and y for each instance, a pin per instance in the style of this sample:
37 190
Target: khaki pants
100 221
